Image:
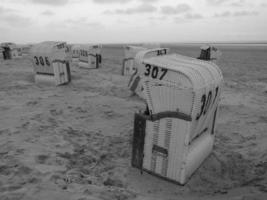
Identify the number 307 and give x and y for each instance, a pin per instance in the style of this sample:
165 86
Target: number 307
155 72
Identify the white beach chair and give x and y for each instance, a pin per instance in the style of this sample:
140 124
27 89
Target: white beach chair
10 50
90 56
75 52
50 63
176 133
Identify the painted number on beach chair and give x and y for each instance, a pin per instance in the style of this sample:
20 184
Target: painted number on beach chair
216 93
206 102
154 72
60 46
161 52
41 61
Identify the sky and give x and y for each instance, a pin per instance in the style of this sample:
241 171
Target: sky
128 21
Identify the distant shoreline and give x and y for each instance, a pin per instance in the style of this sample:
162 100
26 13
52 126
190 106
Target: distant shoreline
198 44
193 44
235 44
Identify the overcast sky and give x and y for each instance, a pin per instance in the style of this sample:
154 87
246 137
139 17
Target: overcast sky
114 21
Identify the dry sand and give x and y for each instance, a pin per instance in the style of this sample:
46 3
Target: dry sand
74 141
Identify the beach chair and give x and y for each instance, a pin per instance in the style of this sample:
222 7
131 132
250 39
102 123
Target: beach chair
75 52
69 53
209 53
50 63
90 56
176 133
9 50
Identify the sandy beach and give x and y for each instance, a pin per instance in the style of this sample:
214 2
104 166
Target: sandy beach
73 142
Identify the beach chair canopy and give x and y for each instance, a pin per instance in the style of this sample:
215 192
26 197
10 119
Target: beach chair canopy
178 83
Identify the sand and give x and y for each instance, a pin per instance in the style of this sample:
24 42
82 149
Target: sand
74 141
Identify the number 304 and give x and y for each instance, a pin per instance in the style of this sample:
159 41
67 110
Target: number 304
155 72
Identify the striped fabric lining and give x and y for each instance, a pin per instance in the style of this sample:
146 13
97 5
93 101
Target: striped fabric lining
167 145
159 156
155 142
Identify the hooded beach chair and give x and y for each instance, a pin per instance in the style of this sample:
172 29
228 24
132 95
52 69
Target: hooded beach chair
90 56
176 133
50 63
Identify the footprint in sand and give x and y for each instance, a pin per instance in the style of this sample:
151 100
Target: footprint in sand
56 112
41 159
32 103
